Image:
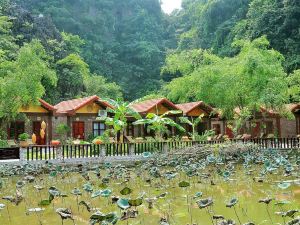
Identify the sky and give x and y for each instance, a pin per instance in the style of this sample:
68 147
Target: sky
169 5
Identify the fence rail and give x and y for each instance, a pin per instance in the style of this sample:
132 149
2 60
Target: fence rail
47 152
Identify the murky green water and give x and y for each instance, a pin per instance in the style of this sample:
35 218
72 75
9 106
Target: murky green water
178 206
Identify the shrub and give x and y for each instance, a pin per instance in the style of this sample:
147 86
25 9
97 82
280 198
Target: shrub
23 137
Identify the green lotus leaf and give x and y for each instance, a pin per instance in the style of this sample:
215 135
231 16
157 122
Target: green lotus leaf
105 180
232 202
203 203
135 202
2 206
44 202
106 193
146 154
64 213
96 194
53 174
283 202
20 184
103 185
123 203
184 184
198 194
53 191
284 185
88 187
76 191
99 216
111 218
107 165
36 210
126 191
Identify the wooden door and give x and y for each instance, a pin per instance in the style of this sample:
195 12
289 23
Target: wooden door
37 132
255 130
78 130
217 128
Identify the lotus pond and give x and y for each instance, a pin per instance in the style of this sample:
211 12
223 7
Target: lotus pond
224 184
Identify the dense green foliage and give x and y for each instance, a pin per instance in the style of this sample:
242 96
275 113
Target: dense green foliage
253 78
124 40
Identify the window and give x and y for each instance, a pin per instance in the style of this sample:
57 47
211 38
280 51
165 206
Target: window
98 128
15 129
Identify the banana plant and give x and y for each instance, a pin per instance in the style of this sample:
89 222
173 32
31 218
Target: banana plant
159 124
121 111
193 122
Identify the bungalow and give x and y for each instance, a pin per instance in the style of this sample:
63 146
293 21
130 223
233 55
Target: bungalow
291 128
81 116
267 123
194 110
31 122
157 106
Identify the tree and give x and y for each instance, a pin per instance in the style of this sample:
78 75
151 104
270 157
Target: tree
72 71
193 122
121 111
8 46
21 79
159 124
294 86
98 85
253 78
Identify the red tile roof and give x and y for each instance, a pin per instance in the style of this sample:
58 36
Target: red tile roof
71 106
147 105
293 107
46 105
188 107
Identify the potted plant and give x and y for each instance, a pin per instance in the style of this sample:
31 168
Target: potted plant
55 142
23 138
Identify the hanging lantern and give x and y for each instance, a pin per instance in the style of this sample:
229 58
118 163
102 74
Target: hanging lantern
33 138
43 125
42 133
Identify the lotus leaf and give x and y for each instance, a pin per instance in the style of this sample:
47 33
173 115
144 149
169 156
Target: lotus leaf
203 203
53 173
135 202
184 184
198 194
2 206
123 203
96 194
44 202
106 193
126 191
36 210
232 202
76 191
88 187
284 185
54 191
64 213
146 154
20 184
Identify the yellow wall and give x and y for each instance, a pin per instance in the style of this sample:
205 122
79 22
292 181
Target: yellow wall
196 112
90 108
159 109
33 109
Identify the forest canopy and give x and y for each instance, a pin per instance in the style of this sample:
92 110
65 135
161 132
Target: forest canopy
131 49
